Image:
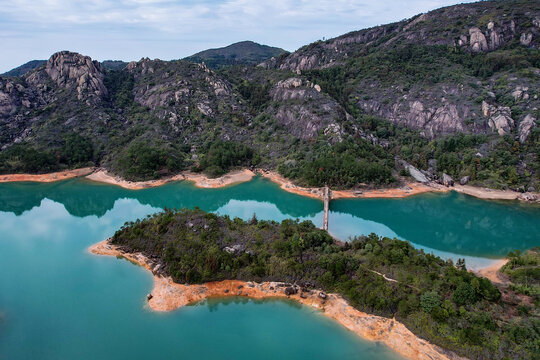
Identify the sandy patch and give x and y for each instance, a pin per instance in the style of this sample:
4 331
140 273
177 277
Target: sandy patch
493 273
233 177
167 296
409 189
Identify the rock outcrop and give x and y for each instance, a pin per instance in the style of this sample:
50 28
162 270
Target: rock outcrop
301 107
447 180
414 172
525 127
72 70
477 40
499 118
420 110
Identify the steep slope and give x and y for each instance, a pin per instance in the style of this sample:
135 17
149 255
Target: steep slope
173 110
434 71
241 53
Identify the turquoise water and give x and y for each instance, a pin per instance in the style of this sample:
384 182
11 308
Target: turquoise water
59 302
448 224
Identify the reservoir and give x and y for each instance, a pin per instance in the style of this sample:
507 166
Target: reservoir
57 301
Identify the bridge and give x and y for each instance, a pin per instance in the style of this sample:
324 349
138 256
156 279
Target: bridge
326 198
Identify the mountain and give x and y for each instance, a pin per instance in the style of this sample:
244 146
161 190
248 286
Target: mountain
241 53
436 72
453 91
23 69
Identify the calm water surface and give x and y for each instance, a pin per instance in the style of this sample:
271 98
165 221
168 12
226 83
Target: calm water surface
59 302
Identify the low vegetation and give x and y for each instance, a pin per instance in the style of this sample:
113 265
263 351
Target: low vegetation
523 269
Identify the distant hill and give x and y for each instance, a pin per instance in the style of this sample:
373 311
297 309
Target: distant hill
23 69
114 64
244 53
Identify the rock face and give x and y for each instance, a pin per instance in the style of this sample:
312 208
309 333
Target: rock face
477 40
421 110
464 180
300 106
447 180
72 70
499 118
525 126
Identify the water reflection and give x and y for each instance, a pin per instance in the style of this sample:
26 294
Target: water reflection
60 302
448 222
82 197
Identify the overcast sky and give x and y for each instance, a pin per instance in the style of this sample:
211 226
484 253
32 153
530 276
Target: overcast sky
172 29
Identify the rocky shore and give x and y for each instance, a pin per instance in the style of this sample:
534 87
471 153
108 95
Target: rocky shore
167 296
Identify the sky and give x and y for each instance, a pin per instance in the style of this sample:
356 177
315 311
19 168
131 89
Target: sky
173 29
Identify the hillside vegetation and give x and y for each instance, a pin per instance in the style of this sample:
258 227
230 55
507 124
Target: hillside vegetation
437 300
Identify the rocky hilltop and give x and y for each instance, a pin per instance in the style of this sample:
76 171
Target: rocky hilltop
453 91
479 27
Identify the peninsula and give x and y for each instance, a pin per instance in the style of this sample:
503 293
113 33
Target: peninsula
382 289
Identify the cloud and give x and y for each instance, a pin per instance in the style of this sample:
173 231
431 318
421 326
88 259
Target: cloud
130 29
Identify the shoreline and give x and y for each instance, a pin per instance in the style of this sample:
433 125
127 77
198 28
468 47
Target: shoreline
47 178
493 274
200 180
239 176
168 296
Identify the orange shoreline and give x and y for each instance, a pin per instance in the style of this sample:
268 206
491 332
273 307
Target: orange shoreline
46 178
200 180
168 295
493 273
239 176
